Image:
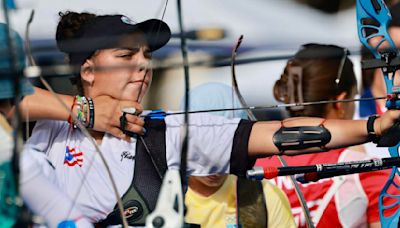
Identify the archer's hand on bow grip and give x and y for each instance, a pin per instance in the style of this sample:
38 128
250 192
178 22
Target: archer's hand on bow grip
389 125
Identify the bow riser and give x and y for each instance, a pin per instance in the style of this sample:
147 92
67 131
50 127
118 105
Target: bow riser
379 13
376 13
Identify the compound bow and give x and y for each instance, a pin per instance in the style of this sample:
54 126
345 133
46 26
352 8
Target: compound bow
370 13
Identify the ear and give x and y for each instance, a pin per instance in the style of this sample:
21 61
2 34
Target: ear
341 96
87 72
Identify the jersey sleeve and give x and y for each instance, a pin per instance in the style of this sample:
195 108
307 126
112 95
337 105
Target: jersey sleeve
41 193
278 207
217 145
43 134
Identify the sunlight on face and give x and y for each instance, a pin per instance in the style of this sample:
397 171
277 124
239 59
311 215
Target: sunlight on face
123 73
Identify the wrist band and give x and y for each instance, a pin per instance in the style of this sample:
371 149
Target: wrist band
370 128
91 113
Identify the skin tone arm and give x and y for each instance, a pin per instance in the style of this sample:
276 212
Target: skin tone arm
344 133
42 105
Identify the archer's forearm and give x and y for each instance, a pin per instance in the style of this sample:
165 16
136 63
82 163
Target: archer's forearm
43 105
344 133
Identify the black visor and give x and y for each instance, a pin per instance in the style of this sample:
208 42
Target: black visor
107 31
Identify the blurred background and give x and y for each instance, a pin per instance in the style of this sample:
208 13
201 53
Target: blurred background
273 30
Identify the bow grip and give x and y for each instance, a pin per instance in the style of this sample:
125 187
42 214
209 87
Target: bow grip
391 137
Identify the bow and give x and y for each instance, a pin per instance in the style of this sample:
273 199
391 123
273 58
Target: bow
243 103
370 12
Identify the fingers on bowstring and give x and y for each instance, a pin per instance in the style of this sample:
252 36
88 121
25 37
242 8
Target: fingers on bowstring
136 120
135 128
135 124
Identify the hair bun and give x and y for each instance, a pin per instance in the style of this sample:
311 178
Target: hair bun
70 26
280 89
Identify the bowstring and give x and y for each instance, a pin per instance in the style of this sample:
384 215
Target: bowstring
159 173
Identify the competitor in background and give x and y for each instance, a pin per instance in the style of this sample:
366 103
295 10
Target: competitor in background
103 47
324 72
40 194
212 200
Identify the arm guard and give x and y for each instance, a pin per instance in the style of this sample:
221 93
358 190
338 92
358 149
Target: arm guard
298 138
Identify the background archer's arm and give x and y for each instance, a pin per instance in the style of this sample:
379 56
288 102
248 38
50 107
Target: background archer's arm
344 133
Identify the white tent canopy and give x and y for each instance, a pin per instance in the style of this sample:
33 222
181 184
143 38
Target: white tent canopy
263 22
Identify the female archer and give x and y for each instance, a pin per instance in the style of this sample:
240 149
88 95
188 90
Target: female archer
103 47
324 72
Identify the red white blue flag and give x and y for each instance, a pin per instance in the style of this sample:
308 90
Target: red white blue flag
73 157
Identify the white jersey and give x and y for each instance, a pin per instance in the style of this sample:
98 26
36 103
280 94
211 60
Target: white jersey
82 175
37 185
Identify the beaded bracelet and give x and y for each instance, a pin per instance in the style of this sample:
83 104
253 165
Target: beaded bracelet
84 111
84 107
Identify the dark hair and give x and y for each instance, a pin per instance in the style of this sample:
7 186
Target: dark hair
71 24
70 27
317 72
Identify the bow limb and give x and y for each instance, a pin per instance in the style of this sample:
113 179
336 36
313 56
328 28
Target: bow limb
373 15
235 88
80 126
185 59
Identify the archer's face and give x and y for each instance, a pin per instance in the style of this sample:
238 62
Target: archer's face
122 73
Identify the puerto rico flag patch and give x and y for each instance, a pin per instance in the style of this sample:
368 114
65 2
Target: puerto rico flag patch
73 157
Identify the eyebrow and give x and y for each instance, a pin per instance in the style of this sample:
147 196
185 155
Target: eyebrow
134 49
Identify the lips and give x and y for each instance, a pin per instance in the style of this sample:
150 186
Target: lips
141 82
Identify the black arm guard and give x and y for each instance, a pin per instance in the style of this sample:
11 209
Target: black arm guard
298 138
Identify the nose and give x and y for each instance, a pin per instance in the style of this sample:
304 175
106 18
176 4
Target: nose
143 63
143 67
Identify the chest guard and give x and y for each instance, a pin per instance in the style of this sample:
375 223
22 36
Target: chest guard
150 166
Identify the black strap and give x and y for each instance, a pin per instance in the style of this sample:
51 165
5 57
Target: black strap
370 128
146 177
141 197
240 161
251 205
